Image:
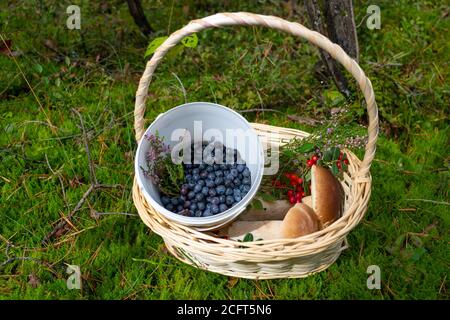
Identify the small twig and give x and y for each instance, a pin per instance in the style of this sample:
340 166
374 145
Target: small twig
10 258
260 110
92 176
430 201
59 178
182 87
97 214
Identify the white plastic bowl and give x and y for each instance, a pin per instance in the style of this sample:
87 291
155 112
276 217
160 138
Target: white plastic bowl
212 116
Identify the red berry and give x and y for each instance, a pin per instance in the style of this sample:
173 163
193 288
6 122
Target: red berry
292 200
287 175
303 193
315 158
290 193
338 164
277 184
346 161
309 163
300 180
294 183
340 156
299 188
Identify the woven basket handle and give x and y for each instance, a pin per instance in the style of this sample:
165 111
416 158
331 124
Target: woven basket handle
296 29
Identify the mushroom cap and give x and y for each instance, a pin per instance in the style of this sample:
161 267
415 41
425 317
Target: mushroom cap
327 195
299 221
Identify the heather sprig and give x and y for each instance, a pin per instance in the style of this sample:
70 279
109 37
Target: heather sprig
161 170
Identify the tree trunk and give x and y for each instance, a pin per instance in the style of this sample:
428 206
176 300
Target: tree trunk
138 15
335 19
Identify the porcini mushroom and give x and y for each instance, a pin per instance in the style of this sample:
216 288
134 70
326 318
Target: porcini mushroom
326 195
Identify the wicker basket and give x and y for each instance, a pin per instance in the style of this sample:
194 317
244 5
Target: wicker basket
267 259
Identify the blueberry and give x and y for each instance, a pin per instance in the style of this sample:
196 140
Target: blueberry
196 177
201 182
229 200
188 166
174 201
218 173
229 177
198 213
211 176
205 191
180 200
234 172
188 177
169 207
229 191
199 196
191 184
184 189
223 167
201 205
193 207
223 207
187 204
165 200
209 183
195 171
218 181
246 188
216 167
191 195
209 168
179 208
202 166
237 198
215 201
237 182
226 172
228 183
183 198
204 174
240 168
208 205
222 199
246 181
221 189
215 209
236 191
212 192
207 213
246 173
197 188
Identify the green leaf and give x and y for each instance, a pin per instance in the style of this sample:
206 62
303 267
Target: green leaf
248 237
256 204
327 156
38 68
305 148
267 197
335 153
307 176
344 166
190 41
175 51
153 45
334 168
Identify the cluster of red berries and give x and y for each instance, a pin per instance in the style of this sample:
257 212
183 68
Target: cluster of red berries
296 193
339 161
312 161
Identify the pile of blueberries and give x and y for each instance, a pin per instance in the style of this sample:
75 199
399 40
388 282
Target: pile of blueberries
212 188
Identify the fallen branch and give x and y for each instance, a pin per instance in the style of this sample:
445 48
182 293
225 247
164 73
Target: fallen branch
65 224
